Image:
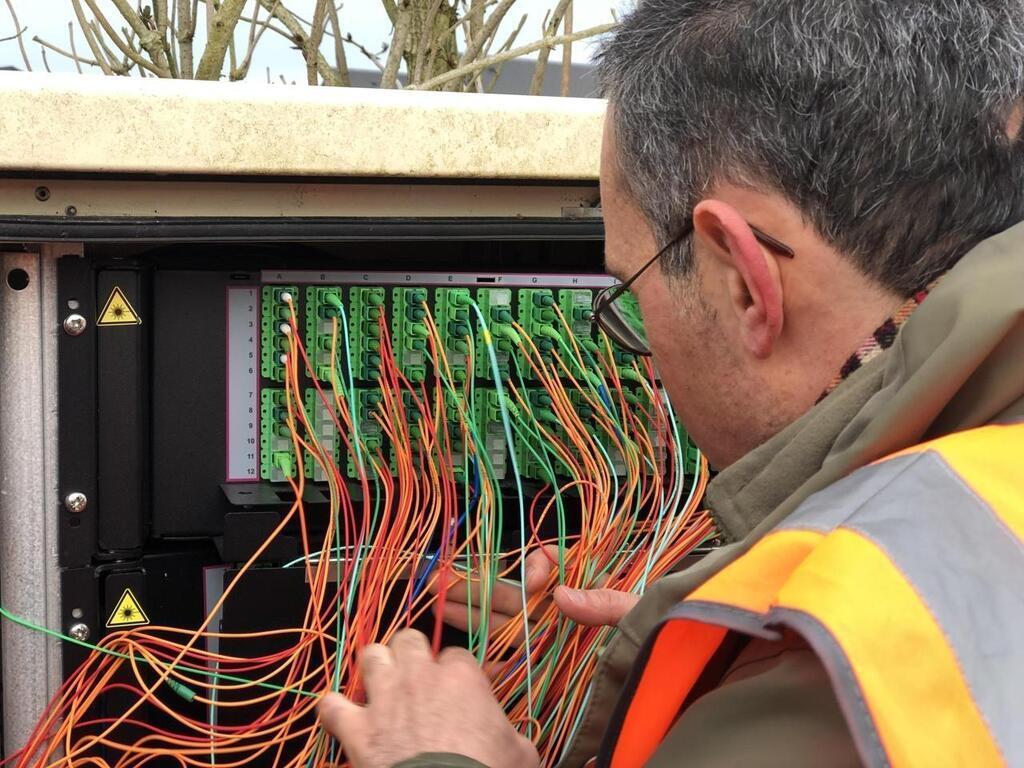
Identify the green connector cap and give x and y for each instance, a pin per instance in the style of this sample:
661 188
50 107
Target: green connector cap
373 361
283 461
502 315
182 690
459 345
418 329
417 344
459 299
374 299
416 313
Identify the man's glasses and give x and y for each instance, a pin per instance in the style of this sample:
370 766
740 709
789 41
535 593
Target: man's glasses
617 312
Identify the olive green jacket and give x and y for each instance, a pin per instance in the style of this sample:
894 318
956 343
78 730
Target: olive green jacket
958 363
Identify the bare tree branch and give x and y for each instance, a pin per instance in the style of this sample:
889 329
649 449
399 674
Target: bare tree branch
74 51
185 34
222 32
162 21
474 46
507 46
316 36
341 63
537 84
373 57
131 53
389 78
19 31
427 41
149 39
567 51
490 61
73 54
90 38
256 30
298 37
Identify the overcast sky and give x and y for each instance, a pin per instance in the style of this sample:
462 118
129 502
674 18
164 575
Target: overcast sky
366 20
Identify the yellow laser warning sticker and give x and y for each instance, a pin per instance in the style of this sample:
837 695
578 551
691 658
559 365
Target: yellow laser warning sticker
128 612
118 310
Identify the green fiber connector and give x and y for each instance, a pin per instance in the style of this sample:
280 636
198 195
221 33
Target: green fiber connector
496 305
577 308
365 402
180 689
540 323
454 406
366 305
492 430
275 314
321 419
275 437
323 309
409 331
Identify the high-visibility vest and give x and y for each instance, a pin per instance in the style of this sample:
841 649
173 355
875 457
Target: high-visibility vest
906 579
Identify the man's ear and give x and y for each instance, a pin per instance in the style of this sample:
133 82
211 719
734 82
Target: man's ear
751 273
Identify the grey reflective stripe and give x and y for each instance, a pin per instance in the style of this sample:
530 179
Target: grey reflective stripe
964 564
727 616
828 509
844 683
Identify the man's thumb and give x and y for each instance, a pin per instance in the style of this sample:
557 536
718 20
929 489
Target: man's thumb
594 607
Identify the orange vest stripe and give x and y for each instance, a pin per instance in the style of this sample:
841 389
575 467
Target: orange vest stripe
910 679
669 675
753 581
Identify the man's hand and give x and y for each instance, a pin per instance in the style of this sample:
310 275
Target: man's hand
592 607
417 704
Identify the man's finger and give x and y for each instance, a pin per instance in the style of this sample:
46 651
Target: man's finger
538 567
410 647
456 615
340 717
594 607
376 664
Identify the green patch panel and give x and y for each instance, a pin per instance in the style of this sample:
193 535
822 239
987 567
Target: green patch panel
277 452
496 305
321 419
403 308
275 315
409 332
322 311
538 319
456 326
366 306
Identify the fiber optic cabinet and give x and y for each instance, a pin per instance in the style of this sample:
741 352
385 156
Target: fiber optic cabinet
148 231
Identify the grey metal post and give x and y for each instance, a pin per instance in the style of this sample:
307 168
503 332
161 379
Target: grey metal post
29 576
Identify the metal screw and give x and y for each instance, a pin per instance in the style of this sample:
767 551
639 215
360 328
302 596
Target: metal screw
71 210
74 325
79 631
75 502
42 194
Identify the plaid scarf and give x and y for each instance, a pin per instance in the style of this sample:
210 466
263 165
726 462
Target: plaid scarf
880 340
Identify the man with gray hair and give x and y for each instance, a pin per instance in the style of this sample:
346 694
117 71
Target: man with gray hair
815 204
